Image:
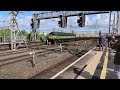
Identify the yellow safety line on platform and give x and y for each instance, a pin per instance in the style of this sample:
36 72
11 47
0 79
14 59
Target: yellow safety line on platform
104 70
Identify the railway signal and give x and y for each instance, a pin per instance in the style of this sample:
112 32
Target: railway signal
81 21
35 24
32 24
63 21
38 23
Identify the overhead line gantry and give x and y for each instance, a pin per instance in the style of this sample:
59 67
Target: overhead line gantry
56 14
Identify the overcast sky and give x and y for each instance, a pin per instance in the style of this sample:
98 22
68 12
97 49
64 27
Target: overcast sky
48 25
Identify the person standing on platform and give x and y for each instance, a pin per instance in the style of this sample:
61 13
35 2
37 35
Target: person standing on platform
116 46
101 41
109 40
112 41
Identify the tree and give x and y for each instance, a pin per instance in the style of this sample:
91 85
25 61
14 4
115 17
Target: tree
25 33
40 36
5 33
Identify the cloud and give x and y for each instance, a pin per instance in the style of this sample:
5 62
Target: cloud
24 23
73 20
4 21
103 20
99 19
48 25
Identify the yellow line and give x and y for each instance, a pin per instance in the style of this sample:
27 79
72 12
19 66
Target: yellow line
104 70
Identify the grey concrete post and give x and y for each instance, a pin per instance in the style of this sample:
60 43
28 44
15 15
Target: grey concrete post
61 50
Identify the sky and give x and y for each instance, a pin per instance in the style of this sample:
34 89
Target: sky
101 21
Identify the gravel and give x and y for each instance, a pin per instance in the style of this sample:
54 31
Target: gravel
24 70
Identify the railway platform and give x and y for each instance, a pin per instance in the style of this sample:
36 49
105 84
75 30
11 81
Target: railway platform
101 65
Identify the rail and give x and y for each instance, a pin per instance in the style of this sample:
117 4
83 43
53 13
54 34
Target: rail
55 76
24 54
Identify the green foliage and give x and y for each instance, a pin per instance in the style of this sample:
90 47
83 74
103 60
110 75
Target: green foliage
5 33
24 33
40 36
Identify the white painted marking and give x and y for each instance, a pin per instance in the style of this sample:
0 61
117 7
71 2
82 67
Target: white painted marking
71 65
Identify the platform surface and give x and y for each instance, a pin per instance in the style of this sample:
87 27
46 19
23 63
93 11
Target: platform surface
101 66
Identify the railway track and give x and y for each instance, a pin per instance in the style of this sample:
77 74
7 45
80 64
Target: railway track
6 47
12 58
9 52
67 72
47 50
23 54
35 45
50 72
75 69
